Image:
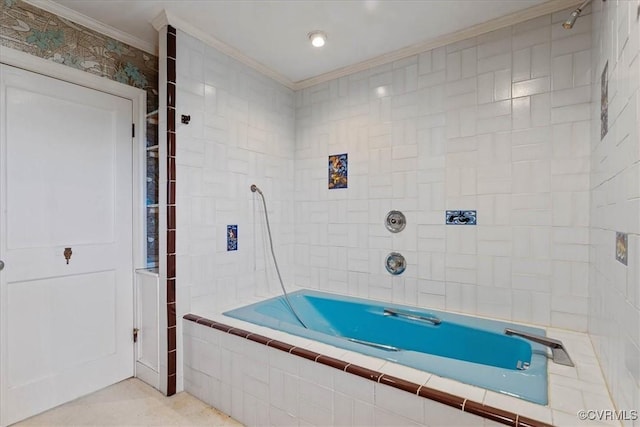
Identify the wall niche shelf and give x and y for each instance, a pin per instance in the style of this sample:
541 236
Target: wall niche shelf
151 190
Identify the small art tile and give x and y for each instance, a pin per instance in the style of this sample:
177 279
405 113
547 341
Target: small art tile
338 169
622 247
232 237
604 101
461 218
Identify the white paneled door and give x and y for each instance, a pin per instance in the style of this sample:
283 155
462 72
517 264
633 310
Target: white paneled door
66 231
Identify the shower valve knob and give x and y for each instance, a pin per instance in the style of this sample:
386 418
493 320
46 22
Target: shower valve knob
395 221
395 263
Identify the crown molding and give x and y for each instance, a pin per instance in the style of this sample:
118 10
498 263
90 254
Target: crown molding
93 24
160 21
467 33
167 18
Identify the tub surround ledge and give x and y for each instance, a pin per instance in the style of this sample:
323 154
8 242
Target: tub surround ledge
491 413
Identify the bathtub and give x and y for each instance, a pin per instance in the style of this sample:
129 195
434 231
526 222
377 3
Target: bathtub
467 349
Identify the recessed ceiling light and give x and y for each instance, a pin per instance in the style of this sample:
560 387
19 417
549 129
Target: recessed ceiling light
318 38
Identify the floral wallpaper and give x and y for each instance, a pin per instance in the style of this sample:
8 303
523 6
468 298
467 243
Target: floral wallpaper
35 31
29 29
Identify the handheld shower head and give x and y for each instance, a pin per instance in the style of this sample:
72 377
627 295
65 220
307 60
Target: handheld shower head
571 20
255 188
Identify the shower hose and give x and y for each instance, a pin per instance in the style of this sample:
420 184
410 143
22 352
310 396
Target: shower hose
255 189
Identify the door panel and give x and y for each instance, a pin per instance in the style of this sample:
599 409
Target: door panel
60 171
66 182
38 310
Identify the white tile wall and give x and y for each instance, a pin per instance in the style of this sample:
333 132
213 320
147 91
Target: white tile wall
241 132
614 306
499 123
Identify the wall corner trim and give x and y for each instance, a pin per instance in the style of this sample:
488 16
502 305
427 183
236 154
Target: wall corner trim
160 21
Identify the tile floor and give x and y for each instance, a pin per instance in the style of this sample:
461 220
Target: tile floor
132 403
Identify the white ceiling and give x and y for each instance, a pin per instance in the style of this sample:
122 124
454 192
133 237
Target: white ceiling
274 32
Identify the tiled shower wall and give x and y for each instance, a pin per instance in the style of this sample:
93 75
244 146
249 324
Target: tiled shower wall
614 289
241 133
499 124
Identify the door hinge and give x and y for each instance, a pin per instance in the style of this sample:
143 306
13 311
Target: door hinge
135 334
133 130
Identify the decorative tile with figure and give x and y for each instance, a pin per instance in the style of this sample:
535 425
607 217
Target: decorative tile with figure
622 247
338 171
461 218
232 237
604 101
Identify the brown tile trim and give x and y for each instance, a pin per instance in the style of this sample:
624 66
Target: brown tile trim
171 95
171 168
442 397
192 317
172 356
171 44
171 291
171 193
171 266
171 217
171 317
283 346
304 353
171 118
171 146
171 241
239 332
405 385
495 414
171 213
205 322
171 346
334 363
171 385
363 372
220 326
258 338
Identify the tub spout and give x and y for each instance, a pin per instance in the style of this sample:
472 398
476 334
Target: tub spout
559 353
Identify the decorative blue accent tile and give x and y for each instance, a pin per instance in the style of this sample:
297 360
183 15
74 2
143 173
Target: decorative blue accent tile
232 237
622 247
461 218
338 168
